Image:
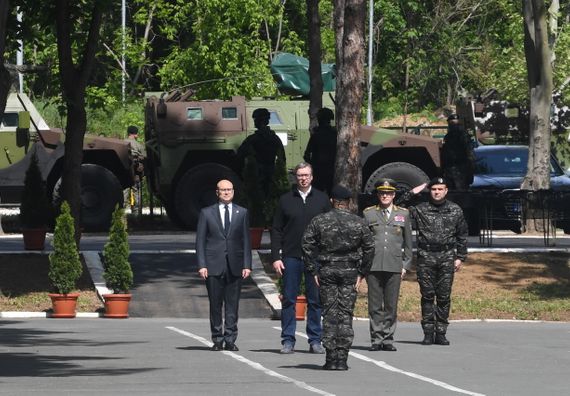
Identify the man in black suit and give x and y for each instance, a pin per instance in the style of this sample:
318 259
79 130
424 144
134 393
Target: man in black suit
223 248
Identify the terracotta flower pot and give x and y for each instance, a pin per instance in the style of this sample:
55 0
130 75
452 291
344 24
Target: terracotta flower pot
63 305
34 238
301 308
117 305
256 233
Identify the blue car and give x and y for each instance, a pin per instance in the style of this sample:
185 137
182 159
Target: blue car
499 171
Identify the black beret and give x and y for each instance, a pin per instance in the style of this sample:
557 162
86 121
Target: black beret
436 180
261 113
385 185
340 192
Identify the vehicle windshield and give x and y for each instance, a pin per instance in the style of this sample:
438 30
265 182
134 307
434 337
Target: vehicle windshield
507 162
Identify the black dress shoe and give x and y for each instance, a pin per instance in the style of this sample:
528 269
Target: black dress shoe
330 365
389 348
231 347
375 347
341 365
217 346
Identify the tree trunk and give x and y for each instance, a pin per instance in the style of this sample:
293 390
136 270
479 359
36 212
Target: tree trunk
4 74
315 77
349 27
74 80
539 71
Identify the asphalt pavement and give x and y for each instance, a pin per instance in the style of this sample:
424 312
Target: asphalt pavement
171 357
169 353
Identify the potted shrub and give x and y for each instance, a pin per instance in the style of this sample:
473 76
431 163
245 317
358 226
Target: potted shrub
118 273
64 265
35 207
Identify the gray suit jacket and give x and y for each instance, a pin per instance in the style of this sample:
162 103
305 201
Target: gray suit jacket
393 239
213 246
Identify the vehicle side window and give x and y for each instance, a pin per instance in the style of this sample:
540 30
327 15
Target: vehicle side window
194 113
10 120
274 118
229 113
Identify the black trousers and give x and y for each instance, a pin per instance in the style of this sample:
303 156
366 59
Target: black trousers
224 294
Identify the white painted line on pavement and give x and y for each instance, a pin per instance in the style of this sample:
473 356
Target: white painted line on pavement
388 367
253 364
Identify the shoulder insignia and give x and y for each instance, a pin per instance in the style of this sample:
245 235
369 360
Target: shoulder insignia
370 208
400 208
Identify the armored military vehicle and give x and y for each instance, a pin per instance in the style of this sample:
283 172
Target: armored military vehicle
107 166
192 144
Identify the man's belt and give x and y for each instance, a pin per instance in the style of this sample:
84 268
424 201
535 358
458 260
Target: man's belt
436 247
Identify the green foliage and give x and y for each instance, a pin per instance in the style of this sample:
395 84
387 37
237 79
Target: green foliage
118 273
35 207
65 265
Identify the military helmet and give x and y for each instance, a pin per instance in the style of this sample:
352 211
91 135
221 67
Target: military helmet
261 113
325 114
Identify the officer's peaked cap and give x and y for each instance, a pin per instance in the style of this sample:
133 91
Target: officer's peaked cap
261 113
437 180
385 185
340 193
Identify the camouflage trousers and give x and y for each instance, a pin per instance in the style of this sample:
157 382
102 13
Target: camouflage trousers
435 271
338 297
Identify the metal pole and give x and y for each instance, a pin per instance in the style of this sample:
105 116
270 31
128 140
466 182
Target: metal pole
20 55
370 43
123 65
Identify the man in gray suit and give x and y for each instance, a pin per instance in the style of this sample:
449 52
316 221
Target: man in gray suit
223 248
393 243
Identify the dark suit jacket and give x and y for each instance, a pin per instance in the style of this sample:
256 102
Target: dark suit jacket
212 246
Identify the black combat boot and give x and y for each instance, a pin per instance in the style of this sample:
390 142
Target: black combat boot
440 339
331 360
428 339
341 360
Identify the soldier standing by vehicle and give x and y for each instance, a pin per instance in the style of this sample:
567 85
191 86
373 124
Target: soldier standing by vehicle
441 249
338 249
265 146
392 231
457 155
138 153
321 150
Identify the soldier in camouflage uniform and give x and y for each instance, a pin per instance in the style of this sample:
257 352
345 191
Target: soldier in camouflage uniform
442 249
457 156
338 249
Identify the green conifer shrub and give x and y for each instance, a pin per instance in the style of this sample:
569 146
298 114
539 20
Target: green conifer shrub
118 273
65 264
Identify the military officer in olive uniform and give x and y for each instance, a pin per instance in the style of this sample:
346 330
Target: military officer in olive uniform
392 231
441 251
338 249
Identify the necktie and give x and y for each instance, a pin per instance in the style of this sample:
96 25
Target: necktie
385 214
226 219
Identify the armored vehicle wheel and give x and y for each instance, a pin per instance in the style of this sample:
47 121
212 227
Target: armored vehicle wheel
406 175
100 193
197 189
